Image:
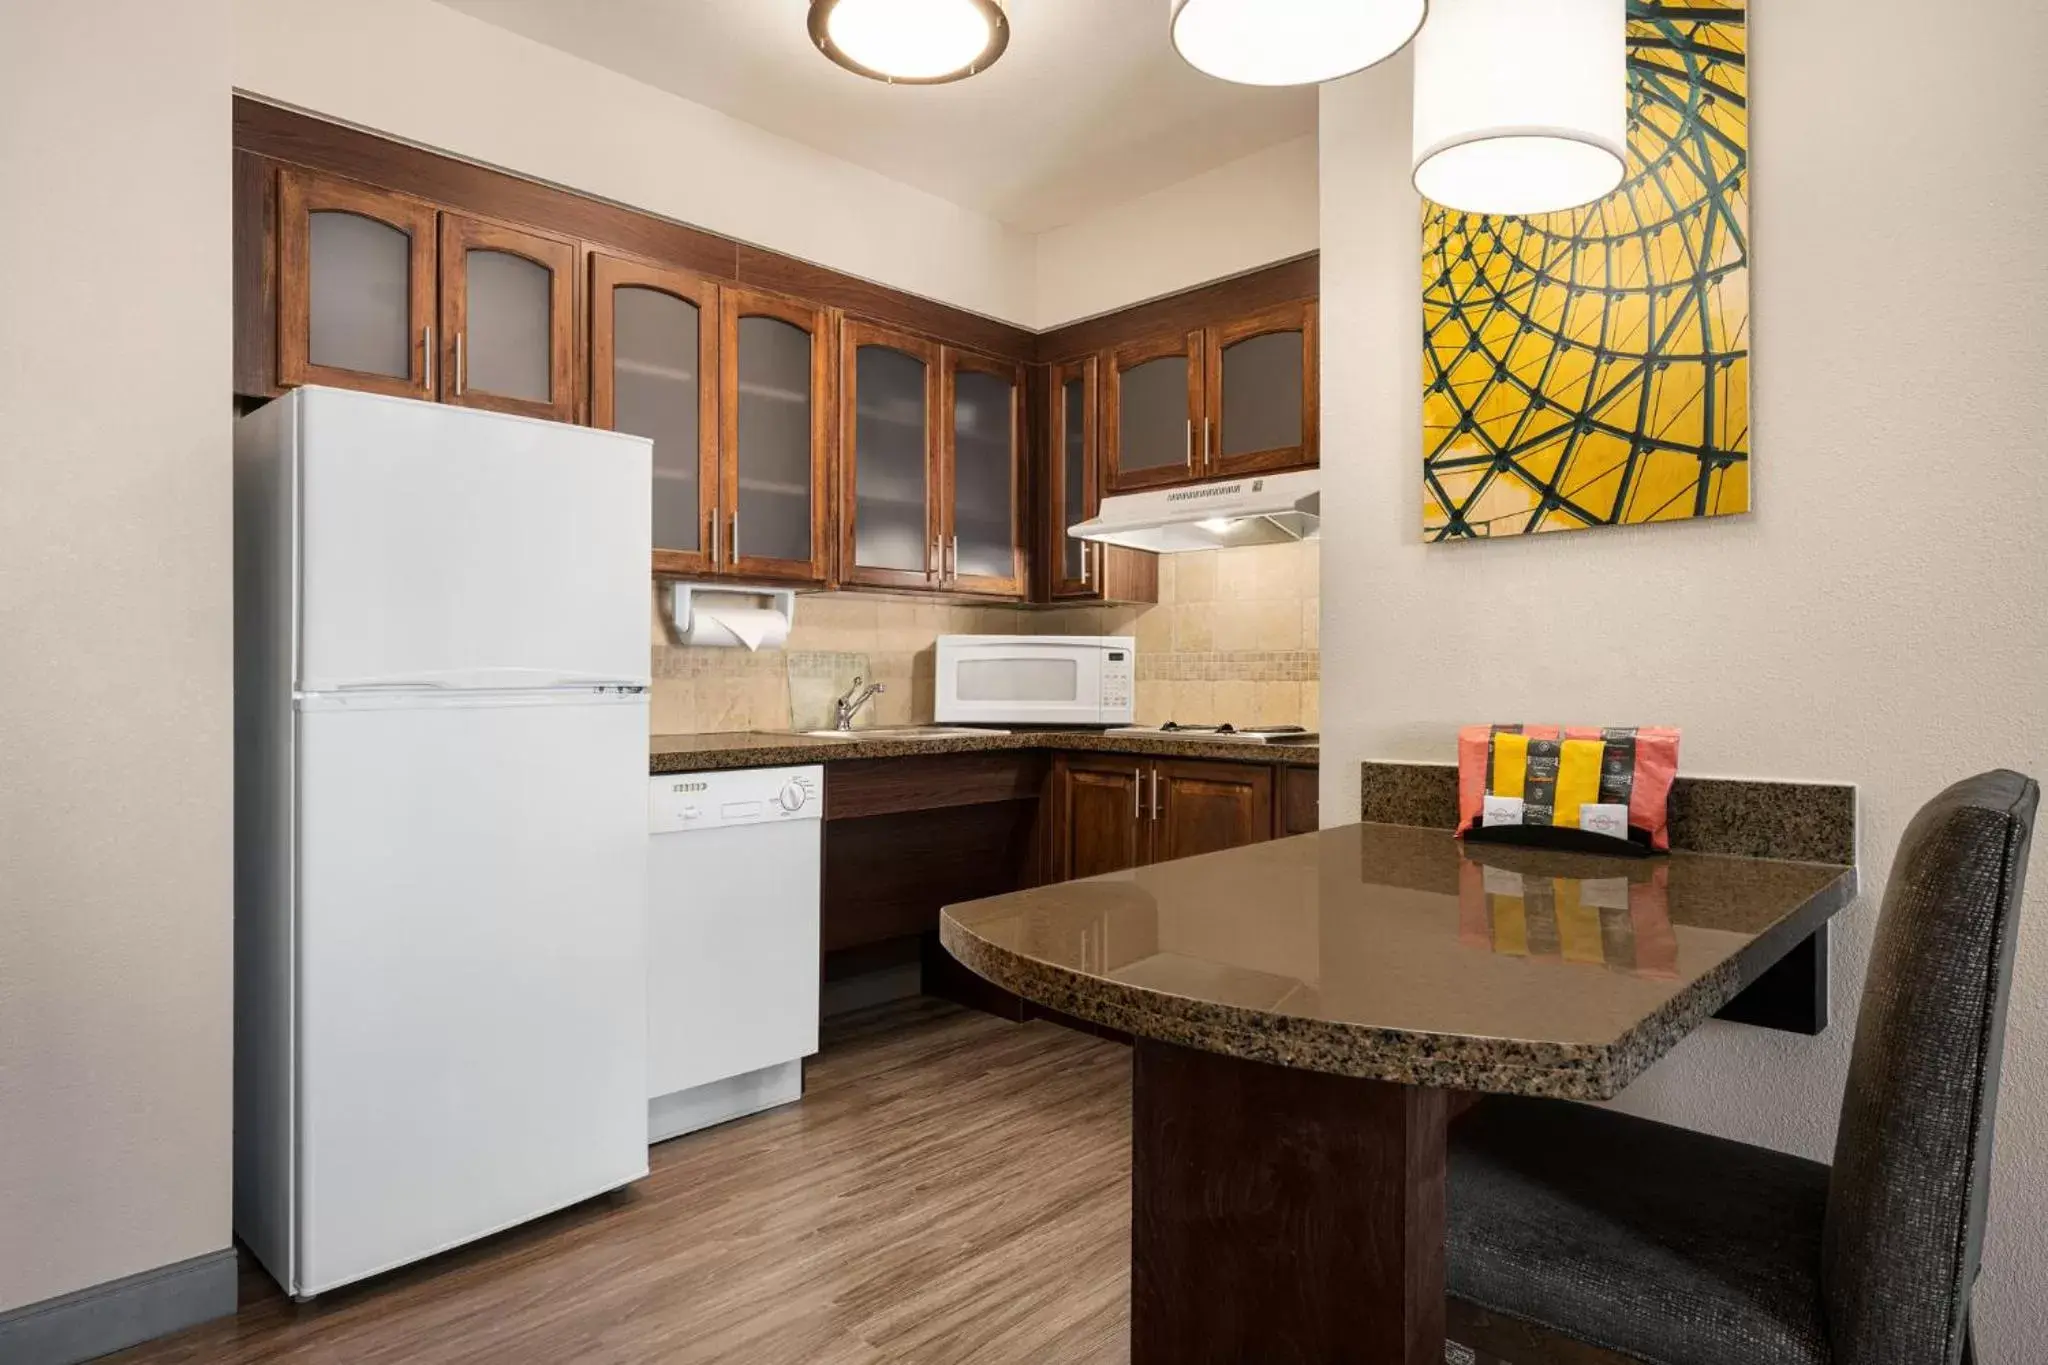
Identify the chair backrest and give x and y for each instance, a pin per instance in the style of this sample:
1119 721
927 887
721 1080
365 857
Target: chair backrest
1905 1218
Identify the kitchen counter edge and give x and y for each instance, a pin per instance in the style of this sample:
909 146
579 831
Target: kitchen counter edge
746 749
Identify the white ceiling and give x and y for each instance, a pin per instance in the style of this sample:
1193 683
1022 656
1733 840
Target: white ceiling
1088 107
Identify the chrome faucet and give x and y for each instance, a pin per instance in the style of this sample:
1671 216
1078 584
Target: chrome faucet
849 703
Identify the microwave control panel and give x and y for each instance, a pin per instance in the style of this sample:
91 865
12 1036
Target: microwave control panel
1118 673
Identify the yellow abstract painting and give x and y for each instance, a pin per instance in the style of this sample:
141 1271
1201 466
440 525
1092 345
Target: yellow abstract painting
1591 367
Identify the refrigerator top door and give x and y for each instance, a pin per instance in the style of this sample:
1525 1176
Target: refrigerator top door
449 547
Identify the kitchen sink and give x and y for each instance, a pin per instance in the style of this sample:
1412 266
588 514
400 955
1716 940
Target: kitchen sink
904 732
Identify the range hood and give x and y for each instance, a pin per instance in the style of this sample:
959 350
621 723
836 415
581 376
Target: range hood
1261 509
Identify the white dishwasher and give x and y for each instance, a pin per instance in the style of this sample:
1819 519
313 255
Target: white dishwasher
732 943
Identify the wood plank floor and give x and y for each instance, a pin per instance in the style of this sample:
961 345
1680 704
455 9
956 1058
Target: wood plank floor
952 1188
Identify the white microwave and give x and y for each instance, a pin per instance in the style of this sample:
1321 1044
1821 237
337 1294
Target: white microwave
1036 679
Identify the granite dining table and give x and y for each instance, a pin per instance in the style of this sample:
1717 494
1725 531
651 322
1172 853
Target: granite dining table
1306 1015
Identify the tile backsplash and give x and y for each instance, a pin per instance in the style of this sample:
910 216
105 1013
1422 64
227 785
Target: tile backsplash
1234 637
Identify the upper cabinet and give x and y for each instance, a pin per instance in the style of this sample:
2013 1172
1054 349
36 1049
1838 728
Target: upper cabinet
355 287
914 448
889 422
384 292
1151 407
981 461
1234 397
1260 388
775 403
1071 480
931 465
654 373
733 389
508 319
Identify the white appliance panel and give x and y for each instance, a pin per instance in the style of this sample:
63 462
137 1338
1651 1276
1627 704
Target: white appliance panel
734 862
472 1036
1036 679
446 546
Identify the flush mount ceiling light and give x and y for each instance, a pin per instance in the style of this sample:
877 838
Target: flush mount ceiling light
911 42
1290 42
1521 106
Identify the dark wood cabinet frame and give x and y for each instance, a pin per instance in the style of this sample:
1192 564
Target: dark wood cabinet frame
300 195
607 274
1012 584
459 236
1287 317
288 164
735 304
855 334
1117 479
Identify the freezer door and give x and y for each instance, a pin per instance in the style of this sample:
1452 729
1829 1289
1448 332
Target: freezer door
472 898
447 545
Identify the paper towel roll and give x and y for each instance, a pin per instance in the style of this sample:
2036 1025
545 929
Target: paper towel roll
720 625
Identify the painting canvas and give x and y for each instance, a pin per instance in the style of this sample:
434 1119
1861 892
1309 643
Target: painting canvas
1591 367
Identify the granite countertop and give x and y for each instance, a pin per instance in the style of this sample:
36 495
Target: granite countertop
1399 954
757 749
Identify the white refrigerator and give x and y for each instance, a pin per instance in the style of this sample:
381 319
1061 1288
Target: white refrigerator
441 671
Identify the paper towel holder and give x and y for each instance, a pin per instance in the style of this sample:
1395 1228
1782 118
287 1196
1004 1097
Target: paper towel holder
782 601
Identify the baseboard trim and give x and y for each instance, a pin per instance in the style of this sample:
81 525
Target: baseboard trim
120 1313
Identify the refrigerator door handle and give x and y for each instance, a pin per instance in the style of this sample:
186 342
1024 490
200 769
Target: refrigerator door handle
495 679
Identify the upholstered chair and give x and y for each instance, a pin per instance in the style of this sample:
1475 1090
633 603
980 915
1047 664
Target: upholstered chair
1579 1234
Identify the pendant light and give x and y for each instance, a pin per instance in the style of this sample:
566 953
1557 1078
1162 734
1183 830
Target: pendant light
1521 106
911 42
1290 42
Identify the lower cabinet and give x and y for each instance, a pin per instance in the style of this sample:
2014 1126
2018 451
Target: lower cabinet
1112 812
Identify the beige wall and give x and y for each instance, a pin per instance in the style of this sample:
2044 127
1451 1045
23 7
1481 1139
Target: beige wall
430 74
114 640
1882 617
1244 214
1233 637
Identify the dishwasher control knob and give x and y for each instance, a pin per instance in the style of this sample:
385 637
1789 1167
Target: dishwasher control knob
792 796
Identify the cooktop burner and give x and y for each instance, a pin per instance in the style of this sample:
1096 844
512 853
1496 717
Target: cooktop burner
1248 734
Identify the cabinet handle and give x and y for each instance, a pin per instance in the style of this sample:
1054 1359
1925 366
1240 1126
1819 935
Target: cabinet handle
427 357
1087 557
1137 788
1208 448
1155 792
461 368
1191 443
953 557
713 519
733 549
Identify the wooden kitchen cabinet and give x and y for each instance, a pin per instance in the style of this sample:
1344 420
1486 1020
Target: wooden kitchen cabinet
775 447
355 286
1078 570
889 420
654 373
1113 812
1232 398
1203 807
1259 392
508 319
981 474
1151 408
383 292
1099 820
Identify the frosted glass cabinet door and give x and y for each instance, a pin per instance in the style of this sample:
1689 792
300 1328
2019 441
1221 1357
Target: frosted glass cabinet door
889 422
653 353
1261 386
983 407
355 287
1152 414
773 409
1071 485
509 331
